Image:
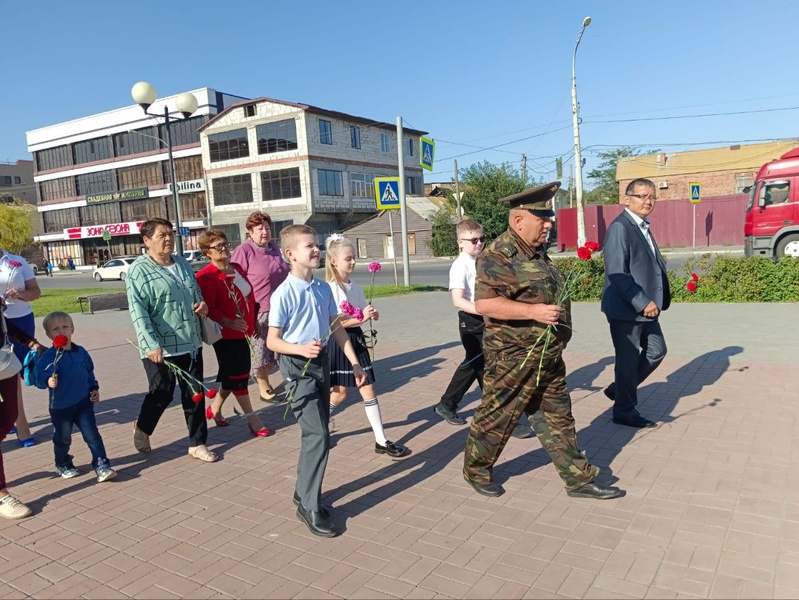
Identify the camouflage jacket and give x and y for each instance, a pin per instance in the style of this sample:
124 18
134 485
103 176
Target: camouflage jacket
509 268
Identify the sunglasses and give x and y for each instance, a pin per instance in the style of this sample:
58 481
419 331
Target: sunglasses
220 247
475 241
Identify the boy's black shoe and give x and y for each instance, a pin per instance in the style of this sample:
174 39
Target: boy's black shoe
316 522
522 431
391 449
450 416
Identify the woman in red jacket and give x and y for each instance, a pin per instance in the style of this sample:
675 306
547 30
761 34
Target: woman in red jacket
230 300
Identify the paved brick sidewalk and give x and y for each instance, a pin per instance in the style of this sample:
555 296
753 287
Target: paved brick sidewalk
712 508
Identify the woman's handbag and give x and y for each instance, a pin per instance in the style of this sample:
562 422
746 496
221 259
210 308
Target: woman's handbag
211 331
9 363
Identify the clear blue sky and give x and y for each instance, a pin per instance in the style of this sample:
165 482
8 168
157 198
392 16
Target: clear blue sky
467 71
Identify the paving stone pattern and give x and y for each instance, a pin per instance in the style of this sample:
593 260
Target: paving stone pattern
711 511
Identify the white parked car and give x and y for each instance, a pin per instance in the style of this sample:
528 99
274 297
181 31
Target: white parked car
116 268
192 255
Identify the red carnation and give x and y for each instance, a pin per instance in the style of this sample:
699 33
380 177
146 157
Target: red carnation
222 276
211 394
60 341
691 286
694 276
593 246
584 253
197 398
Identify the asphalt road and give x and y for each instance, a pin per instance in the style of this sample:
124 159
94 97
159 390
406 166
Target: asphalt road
428 272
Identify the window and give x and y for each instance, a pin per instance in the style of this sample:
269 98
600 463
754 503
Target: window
361 242
5 180
17 180
741 183
410 146
136 141
355 137
100 214
776 193
141 210
281 184
96 183
56 221
412 186
277 227
56 189
232 233
91 150
325 132
232 190
250 110
276 137
184 132
192 206
330 183
384 141
187 168
53 158
144 175
228 145
362 185
411 243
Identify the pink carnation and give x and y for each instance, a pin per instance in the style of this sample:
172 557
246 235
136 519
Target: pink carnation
358 314
347 308
15 264
374 267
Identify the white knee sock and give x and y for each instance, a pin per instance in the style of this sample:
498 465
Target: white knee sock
373 414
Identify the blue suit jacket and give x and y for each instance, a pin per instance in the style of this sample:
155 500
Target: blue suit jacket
634 275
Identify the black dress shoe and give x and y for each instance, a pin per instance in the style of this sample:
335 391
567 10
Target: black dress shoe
317 522
391 449
492 490
610 393
322 508
522 431
450 416
634 421
596 491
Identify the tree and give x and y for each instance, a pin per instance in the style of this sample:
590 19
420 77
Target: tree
484 184
15 225
606 190
444 241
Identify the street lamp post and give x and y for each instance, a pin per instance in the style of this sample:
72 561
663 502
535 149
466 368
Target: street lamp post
144 95
578 160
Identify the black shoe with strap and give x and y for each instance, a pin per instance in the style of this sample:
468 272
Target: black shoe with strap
391 449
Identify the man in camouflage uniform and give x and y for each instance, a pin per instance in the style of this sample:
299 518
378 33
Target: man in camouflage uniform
517 289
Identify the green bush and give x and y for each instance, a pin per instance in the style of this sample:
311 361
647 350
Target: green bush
444 241
721 279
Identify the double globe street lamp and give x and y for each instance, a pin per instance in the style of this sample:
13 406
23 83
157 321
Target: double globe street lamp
144 95
578 160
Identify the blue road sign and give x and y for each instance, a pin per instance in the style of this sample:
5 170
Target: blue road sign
184 231
427 153
387 192
696 192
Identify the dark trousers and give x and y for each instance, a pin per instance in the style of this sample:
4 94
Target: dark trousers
81 415
471 329
640 348
8 415
310 403
162 382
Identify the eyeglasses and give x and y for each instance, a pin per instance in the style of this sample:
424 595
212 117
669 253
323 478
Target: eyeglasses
643 196
220 247
475 241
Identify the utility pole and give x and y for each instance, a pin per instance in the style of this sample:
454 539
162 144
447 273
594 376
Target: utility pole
571 186
524 169
578 160
457 194
406 264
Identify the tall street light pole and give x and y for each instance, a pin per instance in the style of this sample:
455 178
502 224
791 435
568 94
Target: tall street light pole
144 95
578 160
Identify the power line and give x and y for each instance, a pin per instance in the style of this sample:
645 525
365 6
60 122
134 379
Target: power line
672 117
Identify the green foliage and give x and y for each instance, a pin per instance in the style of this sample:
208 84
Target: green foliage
606 190
484 184
588 275
15 225
444 241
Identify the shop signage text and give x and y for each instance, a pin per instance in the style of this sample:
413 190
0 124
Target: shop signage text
77 233
187 187
132 194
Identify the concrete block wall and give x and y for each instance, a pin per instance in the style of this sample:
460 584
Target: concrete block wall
719 183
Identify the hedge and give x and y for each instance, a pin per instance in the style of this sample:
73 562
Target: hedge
721 279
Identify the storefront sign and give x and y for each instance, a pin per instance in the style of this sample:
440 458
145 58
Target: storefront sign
77 233
132 194
187 187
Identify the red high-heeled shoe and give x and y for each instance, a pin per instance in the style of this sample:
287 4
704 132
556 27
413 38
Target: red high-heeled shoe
220 421
262 432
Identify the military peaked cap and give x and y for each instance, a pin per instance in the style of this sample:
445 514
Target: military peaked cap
537 200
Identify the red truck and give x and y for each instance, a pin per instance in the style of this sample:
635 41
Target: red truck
772 214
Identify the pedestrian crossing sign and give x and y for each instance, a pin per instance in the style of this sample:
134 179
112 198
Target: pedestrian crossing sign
427 151
387 193
696 192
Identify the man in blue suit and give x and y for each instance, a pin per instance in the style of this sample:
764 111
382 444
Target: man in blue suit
636 291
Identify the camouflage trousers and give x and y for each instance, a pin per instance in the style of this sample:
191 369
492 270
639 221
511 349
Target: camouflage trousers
509 390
